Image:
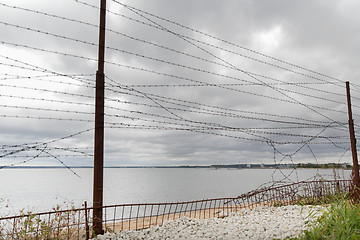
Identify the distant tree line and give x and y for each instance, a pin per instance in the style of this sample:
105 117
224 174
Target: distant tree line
325 165
299 165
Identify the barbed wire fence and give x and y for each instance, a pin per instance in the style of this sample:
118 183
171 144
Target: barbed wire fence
165 79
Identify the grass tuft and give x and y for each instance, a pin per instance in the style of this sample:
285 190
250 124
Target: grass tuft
341 220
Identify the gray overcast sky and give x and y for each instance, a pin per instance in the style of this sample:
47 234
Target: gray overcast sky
188 82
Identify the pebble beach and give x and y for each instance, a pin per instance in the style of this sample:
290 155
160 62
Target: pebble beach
257 223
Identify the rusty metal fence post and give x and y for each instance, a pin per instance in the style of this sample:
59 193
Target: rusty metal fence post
356 180
87 230
99 128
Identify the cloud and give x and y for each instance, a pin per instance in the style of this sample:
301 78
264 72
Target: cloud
177 96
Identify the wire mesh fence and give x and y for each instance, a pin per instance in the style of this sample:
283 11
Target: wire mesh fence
77 223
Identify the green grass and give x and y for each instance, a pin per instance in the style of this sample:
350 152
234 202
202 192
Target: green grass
340 221
326 199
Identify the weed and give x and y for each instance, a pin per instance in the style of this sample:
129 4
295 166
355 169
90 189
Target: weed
341 220
326 199
55 225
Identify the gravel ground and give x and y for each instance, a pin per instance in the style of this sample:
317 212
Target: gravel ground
258 223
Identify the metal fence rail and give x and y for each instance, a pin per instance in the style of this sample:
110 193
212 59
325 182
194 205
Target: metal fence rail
65 224
76 223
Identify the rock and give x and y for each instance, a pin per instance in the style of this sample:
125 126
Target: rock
258 223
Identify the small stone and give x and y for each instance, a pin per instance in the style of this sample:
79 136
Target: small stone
258 223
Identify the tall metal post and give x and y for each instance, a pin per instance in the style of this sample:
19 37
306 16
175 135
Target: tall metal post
353 141
99 128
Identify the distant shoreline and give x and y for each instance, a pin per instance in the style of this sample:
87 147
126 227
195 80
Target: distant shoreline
225 166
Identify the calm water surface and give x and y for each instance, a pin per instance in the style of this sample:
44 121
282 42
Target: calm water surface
42 189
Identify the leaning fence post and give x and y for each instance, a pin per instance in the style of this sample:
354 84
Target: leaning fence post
86 222
353 147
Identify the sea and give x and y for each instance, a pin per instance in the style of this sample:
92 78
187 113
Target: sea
41 190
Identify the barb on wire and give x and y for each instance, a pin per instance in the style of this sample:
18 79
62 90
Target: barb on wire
221 40
69 168
224 61
42 148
